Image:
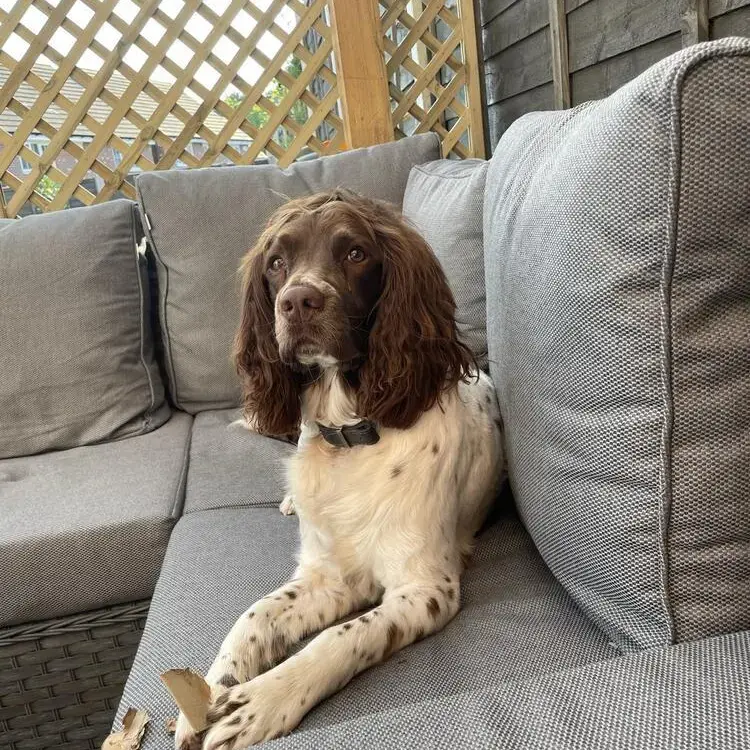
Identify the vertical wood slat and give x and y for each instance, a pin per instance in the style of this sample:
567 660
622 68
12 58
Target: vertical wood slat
558 27
473 74
362 80
694 22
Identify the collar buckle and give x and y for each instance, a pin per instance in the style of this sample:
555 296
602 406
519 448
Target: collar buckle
349 436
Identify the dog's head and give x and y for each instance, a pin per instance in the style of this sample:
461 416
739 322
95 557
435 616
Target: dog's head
338 280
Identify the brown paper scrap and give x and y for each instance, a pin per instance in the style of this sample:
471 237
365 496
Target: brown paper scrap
191 693
133 727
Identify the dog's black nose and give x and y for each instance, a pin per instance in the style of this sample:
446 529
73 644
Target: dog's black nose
301 303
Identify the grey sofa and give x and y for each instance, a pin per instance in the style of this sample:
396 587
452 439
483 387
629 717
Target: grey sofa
601 265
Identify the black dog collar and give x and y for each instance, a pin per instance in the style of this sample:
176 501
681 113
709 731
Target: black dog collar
362 433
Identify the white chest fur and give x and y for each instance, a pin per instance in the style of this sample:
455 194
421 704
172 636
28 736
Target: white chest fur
371 510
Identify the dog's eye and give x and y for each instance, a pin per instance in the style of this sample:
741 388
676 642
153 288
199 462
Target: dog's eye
277 264
356 255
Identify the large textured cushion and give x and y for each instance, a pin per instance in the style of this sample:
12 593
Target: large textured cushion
443 199
516 620
202 221
232 466
694 696
87 527
618 263
76 362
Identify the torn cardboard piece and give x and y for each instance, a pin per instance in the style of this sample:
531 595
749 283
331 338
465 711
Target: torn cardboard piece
192 695
133 728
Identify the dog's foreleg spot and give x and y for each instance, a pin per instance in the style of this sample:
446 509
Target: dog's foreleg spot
250 615
394 638
347 625
234 720
364 619
291 594
228 680
221 700
433 607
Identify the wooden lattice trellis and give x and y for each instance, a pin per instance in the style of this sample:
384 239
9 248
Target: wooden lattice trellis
433 77
96 90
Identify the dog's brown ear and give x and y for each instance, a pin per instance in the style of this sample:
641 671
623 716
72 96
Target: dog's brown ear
270 389
414 352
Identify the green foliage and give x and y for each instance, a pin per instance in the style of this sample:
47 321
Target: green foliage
47 187
258 116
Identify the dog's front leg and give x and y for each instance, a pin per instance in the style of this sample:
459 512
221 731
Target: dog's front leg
265 633
275 702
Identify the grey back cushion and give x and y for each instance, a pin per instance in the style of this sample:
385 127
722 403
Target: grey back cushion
443 199
617 241
76 353
201 222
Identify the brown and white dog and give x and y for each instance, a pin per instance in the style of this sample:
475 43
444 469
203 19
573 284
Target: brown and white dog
348 323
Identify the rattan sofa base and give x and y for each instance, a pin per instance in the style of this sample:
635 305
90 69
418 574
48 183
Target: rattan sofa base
61 680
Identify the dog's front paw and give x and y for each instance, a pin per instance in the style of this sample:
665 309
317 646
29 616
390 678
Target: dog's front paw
185 738
287 505
256 711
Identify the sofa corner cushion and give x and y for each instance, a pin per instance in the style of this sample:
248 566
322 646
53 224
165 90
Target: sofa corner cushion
77 362
508 597
233 466
87 527
617 245
202 221
444 201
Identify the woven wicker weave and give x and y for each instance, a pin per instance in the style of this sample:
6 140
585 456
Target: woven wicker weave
61 680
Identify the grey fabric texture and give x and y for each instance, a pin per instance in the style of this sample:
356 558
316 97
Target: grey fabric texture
516 620
616 257
694 696
232 466
444 200
76 353
709 519
88 527
202 221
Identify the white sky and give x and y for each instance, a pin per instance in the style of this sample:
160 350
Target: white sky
197 26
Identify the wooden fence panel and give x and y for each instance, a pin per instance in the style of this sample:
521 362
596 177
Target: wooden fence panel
94 91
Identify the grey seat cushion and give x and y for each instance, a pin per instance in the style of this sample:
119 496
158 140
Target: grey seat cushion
87 527
76 362
444 200
202 221
231 466
516 619
694 696
618 258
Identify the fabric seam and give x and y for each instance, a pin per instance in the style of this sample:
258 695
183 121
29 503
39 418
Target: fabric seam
142 325
468 176
166 338
178 501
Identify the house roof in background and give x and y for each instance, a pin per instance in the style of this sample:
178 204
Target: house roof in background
144 105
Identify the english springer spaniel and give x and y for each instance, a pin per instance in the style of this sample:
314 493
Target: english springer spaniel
348 336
